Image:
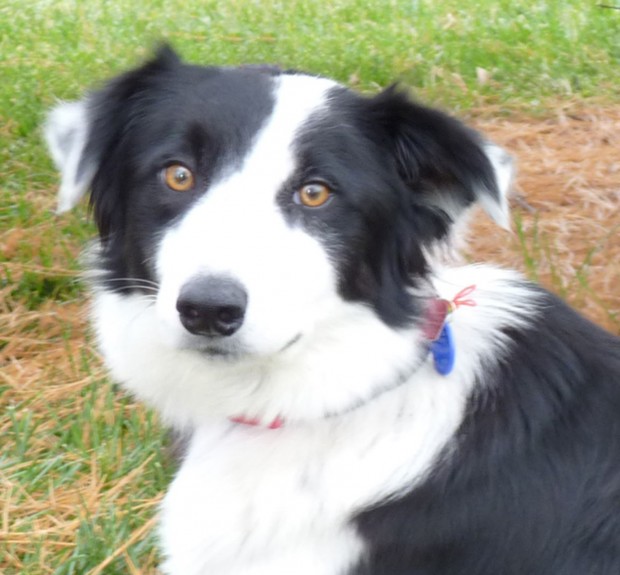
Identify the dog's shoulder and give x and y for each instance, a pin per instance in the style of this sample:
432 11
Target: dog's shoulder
534 471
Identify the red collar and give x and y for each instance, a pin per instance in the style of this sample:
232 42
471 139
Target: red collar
277 423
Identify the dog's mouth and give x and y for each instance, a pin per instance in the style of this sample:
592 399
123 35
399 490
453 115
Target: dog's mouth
231 349
291 343
219 352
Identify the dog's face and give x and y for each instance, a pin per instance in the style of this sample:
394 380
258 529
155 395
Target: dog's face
258 212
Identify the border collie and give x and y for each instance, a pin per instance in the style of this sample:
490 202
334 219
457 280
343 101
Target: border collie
272 276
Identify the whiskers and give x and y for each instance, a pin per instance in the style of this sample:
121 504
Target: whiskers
147 289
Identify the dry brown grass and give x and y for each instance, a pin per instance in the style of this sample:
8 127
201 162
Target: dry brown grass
568 188
46 366
568 192
39 373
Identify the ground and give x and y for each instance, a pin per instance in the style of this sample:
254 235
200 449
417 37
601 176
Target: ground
566 205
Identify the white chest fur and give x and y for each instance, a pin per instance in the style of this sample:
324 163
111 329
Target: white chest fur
257 501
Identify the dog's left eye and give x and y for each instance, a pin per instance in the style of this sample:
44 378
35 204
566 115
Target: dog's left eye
313 195
178 178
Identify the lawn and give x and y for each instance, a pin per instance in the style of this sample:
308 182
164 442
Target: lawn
81 466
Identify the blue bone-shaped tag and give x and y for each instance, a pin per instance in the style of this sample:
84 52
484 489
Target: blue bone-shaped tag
443 351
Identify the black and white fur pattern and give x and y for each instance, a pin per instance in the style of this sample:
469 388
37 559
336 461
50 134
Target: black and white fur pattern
508 465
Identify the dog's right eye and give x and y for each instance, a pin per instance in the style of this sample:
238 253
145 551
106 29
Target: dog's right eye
313 195
178 178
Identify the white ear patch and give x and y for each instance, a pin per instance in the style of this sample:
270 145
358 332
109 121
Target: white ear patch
503 168
66 131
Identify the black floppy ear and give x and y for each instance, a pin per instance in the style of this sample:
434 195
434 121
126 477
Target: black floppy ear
447 165
80 135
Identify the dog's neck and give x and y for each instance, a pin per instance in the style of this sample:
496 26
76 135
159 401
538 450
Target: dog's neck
435 331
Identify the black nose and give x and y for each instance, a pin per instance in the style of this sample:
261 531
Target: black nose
212 305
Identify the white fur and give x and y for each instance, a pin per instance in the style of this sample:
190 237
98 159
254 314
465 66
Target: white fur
66 131
503 166
257 501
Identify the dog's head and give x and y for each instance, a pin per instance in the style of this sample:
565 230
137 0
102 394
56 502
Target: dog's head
256 209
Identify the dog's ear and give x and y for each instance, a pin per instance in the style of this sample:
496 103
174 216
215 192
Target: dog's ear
80 134
66 132
447 165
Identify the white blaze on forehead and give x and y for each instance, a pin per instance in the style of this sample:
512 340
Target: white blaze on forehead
237 229
297 97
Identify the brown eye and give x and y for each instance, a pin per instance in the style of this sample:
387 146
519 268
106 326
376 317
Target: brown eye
179 178
313 195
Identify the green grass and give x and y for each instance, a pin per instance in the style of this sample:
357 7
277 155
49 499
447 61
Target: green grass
531 49
80 465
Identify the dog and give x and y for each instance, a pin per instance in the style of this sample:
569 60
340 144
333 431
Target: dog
274 275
